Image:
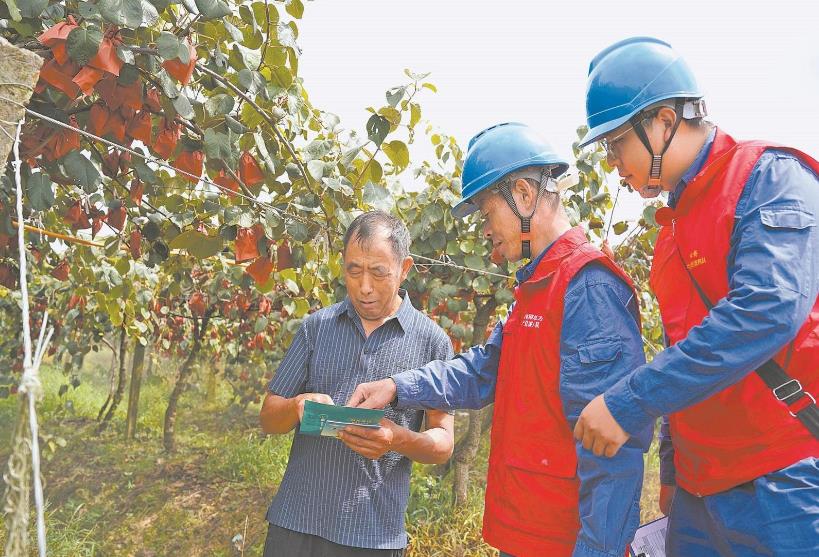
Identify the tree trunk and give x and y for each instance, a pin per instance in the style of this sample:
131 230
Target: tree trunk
465 455
137 366
115 400
168 434
112 380
150 357
212 382
168 440
442 470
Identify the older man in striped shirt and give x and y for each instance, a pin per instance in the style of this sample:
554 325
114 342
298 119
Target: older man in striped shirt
348 497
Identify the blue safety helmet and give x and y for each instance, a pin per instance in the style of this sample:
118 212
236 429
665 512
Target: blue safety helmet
631 75
497 151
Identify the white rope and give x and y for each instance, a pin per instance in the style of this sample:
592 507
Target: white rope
445 261
30 384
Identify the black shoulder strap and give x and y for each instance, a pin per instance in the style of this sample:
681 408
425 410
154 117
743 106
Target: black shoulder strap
785 388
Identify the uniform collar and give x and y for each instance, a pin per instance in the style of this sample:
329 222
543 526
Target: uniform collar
548 261
722 148
525 273
693 170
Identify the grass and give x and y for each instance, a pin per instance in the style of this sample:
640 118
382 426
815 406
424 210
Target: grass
111 497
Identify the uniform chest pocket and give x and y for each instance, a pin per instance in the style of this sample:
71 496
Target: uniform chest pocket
600 350
786 216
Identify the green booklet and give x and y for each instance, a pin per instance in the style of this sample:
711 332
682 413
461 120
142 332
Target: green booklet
327 419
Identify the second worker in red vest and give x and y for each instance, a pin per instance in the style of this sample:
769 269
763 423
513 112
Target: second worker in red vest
573 332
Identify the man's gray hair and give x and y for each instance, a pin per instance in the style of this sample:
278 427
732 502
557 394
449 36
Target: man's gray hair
367 225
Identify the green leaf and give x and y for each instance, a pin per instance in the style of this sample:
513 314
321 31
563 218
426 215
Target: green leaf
160 5
415 114
318 149
414 76
302 307
52 13
350 154
249 57
197 244
260 325
395 95
295 8
437 241
81 169
481 283
235 125
168 45
220 104
28 8
128 13
316 169
398 154
128 74
377 128
83 43
282 77
145 172
151 231
298 231
620 227
123 265
377 196
183 106
212 9
234 33
40 193
474 262
251 81
217 146
343 185
391 114
648 215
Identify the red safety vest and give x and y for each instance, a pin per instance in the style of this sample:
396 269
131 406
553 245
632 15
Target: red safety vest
742 432
532 486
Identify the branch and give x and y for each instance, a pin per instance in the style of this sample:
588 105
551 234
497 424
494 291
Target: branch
239 181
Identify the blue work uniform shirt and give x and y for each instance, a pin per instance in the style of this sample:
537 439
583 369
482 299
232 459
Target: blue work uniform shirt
773 271
597 305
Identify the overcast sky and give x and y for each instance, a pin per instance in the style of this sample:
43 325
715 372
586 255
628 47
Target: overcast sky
758 62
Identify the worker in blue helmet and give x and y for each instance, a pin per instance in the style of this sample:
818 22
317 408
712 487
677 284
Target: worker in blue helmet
736 276
572 332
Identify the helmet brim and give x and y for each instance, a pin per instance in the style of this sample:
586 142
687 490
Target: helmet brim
597 132
464 208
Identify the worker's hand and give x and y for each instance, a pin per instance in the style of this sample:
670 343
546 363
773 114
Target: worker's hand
315 397
598 430
371 443
376 394
666 496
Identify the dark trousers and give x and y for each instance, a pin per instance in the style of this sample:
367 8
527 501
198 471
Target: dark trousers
282 542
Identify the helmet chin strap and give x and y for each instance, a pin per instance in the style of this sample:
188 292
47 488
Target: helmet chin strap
526 221
653 188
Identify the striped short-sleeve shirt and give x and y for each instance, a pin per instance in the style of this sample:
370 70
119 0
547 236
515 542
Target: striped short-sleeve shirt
328 490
